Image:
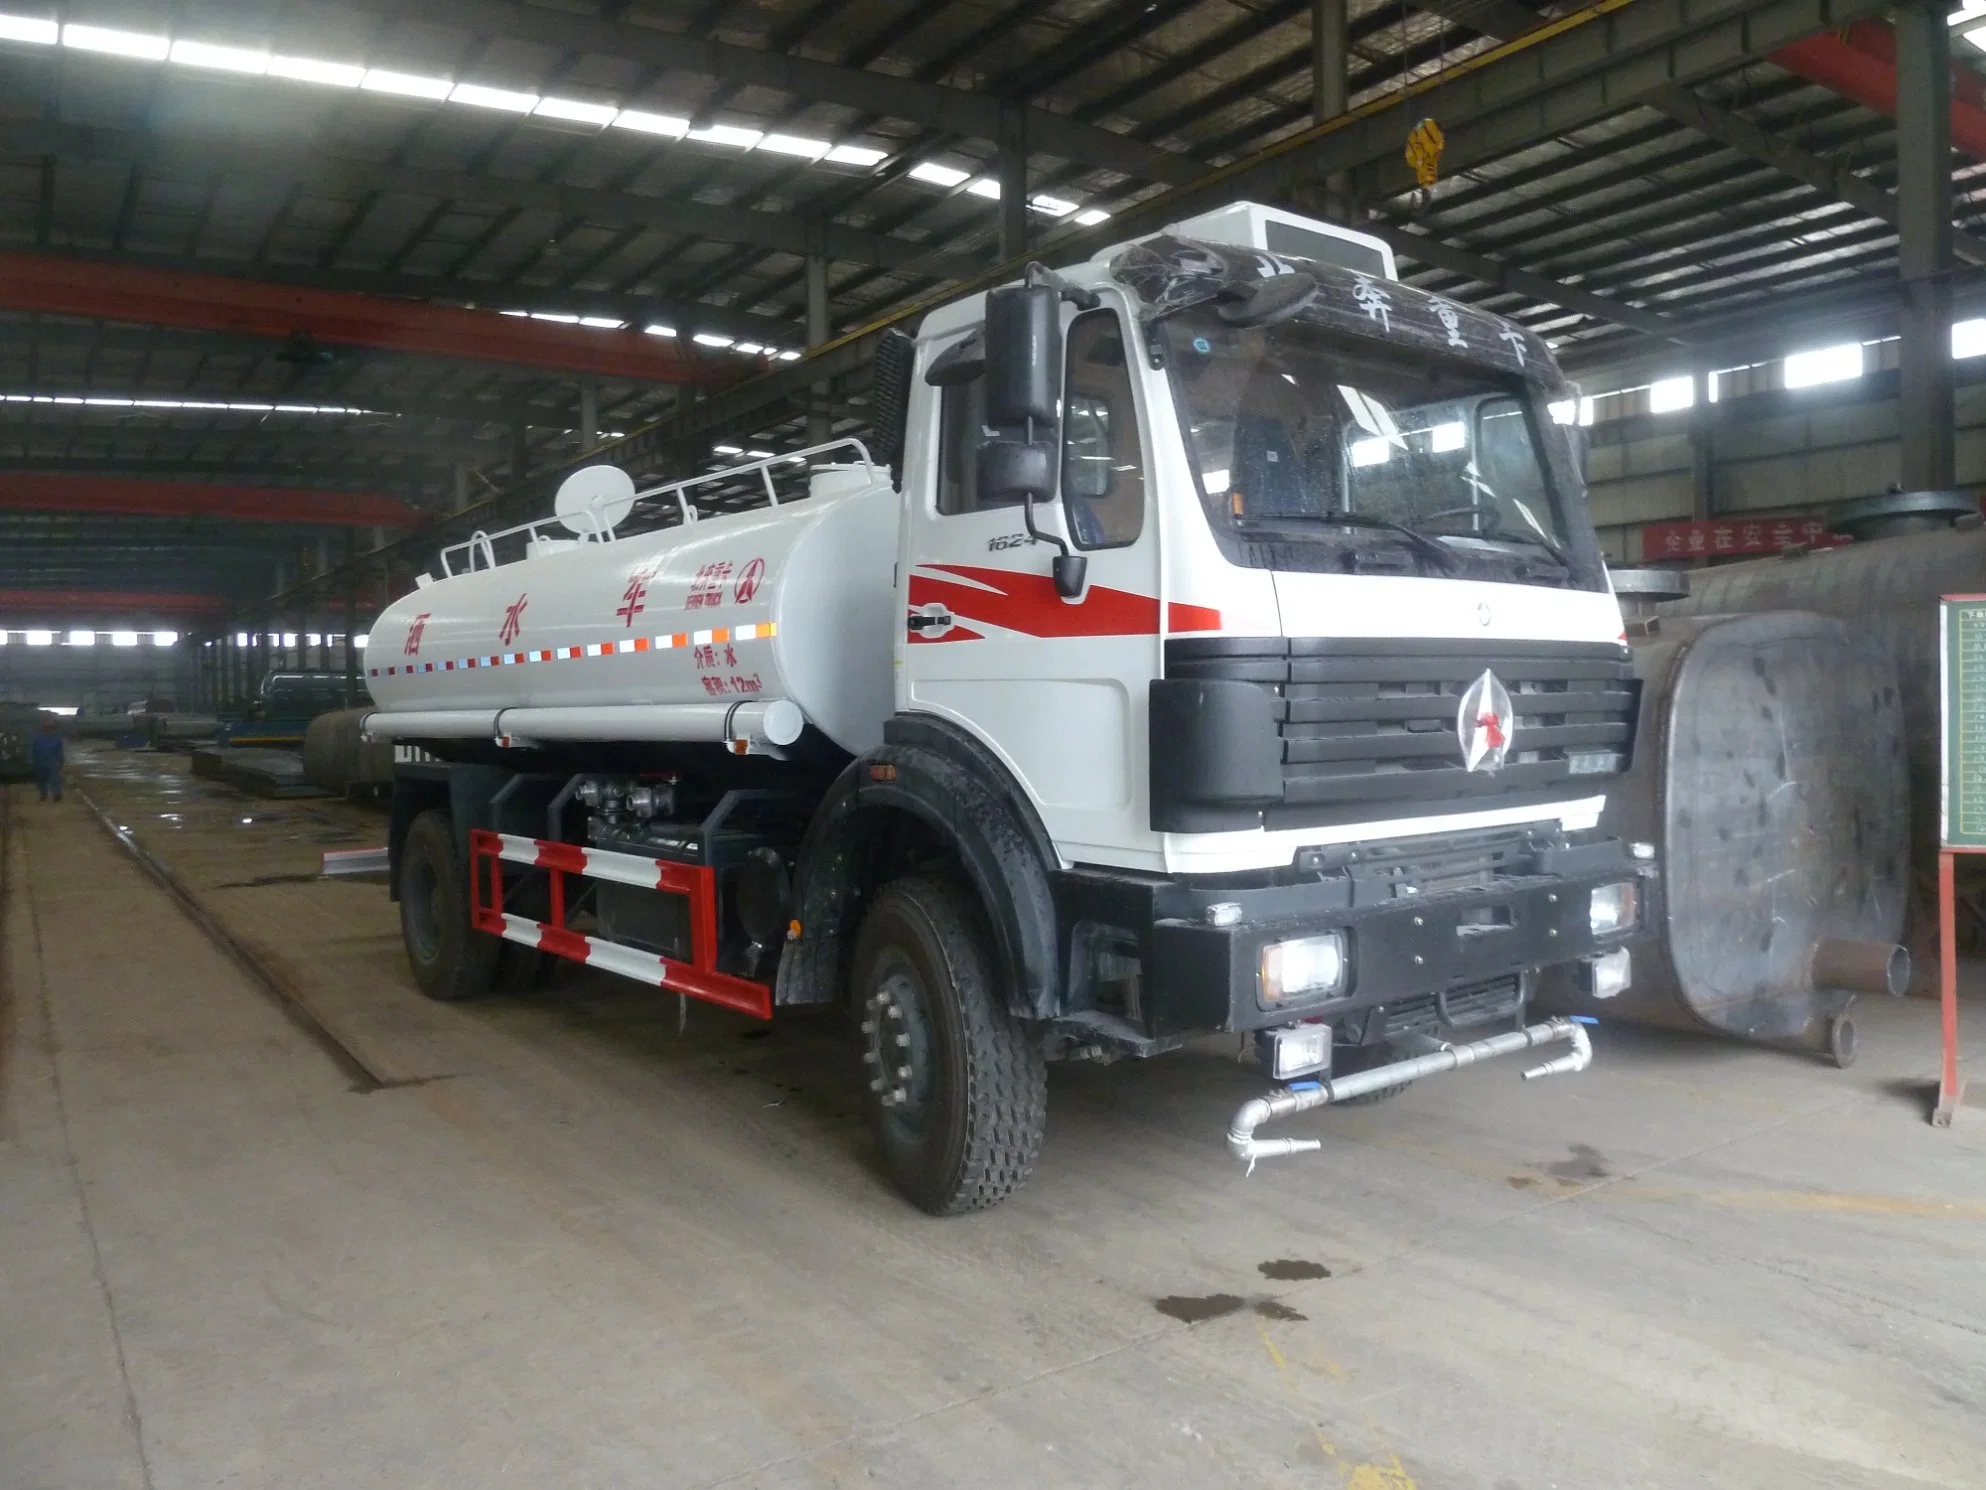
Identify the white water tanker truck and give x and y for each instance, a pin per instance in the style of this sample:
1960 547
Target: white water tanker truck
1213 638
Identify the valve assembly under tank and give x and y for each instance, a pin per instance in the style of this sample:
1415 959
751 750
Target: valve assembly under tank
1770 769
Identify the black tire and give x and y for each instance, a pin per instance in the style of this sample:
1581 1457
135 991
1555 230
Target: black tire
451 959
958 1092
520 970
1349 1060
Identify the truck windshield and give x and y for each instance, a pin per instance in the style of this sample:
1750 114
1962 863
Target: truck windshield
1298 437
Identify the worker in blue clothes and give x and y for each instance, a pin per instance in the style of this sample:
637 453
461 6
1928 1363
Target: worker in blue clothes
46 753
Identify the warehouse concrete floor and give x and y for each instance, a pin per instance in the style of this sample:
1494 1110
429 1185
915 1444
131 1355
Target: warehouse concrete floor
563 1245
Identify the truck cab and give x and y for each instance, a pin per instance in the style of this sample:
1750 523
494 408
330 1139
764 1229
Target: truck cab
1251 669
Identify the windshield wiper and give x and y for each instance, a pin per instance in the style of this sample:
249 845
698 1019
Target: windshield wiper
1513 535
1425 544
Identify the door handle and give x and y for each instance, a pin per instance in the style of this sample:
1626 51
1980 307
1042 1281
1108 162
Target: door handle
927 621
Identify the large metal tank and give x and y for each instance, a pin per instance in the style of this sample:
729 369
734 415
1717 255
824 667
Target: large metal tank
1769 772
792 603
1885 586
339 758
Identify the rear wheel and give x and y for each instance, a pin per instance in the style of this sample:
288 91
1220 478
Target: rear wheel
450 958
958 1090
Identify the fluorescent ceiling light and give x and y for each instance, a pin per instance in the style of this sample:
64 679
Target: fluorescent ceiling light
1090 217
726 134
250 60
39 638
117 43
1968 338
1671 394
310 70
759 454
652 124
555 315
82 639
711 339
1371 452
855 155
167 639
794 145
602 323
659 330
728 449
986 187
789 356
476 95
1053 206
1824 365
576 110
406 84
124 638
29 28
748 348
1977 36
1448 436
937 175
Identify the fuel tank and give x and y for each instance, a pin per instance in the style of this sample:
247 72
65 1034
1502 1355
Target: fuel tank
1769 771
793 604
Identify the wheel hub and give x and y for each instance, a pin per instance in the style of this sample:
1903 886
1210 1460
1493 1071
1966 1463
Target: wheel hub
894 1045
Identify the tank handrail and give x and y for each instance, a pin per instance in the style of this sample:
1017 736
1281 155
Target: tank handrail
482 544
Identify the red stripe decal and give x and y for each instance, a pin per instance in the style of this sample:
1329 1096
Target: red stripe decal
567 856
562 943
1027 603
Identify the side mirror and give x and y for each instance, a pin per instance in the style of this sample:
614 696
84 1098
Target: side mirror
1023 369
896 356
1023 351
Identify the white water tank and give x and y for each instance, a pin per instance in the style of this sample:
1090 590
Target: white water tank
795 602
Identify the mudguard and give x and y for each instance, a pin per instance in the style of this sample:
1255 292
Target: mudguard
942 778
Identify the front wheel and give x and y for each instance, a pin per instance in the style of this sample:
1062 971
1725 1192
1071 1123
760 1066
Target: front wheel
958 1090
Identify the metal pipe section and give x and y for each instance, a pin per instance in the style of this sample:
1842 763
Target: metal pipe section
1243 1144
762 721
1861 967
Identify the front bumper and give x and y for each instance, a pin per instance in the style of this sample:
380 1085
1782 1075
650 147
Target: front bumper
1413 956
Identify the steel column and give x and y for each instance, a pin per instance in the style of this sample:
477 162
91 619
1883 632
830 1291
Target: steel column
1924 211
1330 86
1013 183
589 415
820 422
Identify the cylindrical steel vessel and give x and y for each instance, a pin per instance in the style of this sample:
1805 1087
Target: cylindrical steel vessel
794 602
337 756
1769 772
1886 589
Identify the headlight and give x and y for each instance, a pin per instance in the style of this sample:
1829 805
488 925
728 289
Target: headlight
1309 965
1614 907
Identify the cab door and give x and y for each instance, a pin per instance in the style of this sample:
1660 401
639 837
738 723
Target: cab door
1055 687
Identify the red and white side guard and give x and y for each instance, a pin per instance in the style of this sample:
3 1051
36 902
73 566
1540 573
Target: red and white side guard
697 883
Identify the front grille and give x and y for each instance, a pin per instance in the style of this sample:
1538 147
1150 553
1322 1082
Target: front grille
1365 724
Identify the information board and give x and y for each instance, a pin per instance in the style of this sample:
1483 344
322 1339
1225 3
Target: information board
1962 712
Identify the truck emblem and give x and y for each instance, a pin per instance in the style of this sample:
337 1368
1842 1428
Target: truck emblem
414 630
749 582
1484 723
